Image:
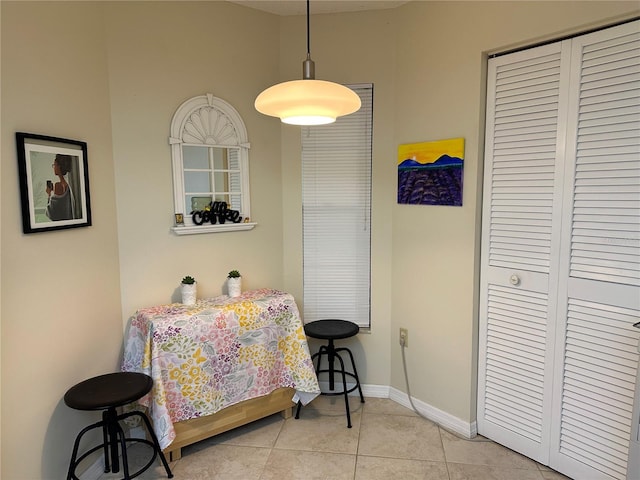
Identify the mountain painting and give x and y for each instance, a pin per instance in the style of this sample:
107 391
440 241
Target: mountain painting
430 173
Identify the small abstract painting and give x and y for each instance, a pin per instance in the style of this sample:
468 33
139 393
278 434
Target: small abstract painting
430 173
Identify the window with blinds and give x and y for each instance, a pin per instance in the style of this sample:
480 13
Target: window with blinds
336 204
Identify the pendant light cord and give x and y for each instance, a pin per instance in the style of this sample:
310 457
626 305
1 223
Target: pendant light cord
308 67
308 35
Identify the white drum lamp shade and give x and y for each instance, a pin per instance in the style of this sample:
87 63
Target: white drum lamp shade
307 101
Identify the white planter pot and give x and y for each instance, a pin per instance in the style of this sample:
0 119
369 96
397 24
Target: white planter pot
234 286
188 293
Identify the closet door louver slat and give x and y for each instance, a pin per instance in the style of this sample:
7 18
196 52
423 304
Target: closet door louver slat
600 272
517 231
522 135
560 259
515 361
601 360
609 85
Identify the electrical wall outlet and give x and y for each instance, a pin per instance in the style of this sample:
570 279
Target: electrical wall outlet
404 337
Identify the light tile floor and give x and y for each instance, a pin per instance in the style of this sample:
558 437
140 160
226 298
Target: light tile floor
387 441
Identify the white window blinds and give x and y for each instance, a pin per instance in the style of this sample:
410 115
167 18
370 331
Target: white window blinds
336 202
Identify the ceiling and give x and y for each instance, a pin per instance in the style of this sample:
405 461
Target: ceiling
299 7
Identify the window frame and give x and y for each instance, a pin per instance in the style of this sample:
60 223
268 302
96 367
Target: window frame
208 121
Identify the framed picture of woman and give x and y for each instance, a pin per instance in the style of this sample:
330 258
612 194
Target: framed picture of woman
54 183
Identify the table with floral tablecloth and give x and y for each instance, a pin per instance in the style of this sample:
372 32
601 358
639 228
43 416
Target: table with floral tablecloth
216 353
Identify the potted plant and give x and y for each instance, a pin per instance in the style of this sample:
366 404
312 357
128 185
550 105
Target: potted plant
234 283
188 290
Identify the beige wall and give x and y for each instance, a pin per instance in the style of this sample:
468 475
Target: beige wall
159 56
61 319
439 94
112 74
427 61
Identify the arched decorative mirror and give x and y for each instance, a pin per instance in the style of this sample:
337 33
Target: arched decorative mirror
210 156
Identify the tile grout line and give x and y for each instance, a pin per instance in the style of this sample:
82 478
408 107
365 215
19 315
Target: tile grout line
355 465
444 452
273 447
281 434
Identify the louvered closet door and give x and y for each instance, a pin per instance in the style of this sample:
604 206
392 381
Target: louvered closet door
521 231
600 270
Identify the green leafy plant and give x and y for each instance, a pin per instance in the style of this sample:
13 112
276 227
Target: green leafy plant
188 280
234 274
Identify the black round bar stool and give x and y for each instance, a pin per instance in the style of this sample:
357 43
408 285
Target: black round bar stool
331 330
106 393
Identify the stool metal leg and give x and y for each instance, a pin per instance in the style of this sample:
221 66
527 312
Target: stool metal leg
332 353
123 446
74 455
114 439
355 371
157 444
105 442
346 392
154 440
75 459
111 418
321 351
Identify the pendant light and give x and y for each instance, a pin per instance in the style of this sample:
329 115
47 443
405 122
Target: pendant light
307 101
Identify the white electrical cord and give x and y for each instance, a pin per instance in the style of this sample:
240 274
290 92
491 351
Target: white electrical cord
406 377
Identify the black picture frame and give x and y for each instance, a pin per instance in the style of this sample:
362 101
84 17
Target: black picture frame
54 183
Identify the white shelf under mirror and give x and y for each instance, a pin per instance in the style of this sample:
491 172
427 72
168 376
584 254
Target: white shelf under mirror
226 227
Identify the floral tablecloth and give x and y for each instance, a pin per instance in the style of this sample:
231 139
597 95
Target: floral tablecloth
216 353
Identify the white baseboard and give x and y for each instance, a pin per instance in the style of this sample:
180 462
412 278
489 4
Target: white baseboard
138 432
373 391
95 471
376 391
444 419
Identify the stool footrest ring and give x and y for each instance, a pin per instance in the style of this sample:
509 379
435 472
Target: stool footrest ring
113 443
348 374
332 354
99 447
